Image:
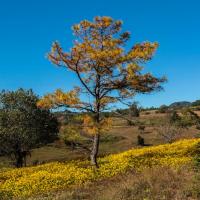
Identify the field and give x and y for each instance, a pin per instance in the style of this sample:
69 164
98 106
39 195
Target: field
44 178
57 172
99 107
120 138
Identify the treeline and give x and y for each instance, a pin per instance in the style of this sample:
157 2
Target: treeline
178 105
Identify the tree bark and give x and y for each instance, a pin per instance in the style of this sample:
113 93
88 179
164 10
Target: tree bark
95 150
95 147
19 159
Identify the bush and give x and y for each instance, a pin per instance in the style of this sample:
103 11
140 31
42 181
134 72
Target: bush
169 132
162 109
130 123
147 113
140 140
141 128
197 108
198 126
189 118
174 118
134 110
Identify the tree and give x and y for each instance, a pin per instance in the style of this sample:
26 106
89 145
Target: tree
174 118
23 125
196 103
170 132
189 117
163 109
129 114
173 127
108 73
134 110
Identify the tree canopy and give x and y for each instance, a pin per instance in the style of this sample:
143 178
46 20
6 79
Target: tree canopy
23 125
108 72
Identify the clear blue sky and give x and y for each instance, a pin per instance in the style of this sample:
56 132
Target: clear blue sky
28 28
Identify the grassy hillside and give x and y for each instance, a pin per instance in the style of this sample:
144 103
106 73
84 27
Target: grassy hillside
120 138
58 172
46 178
157 183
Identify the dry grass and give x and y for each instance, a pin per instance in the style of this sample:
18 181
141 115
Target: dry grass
128 139
151 184
160 183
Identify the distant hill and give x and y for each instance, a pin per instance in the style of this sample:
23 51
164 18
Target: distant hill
180 104
196 103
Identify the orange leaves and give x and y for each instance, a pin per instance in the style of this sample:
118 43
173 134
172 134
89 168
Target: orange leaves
69 98
89 125
85 24
106 124
59 98
93 127
106 57
107 71
46 102
103 20
143 51
76 27
98 46
107 100
132 70
145 83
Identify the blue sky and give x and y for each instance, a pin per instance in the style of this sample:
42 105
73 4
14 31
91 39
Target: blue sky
28 28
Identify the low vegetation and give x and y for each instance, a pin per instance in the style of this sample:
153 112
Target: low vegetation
44 178
181 184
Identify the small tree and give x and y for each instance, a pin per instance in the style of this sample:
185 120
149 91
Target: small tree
189 117
196 103
108 73
23 125
140 140
163 109
134 110
175 119
170 132
71 136
141 128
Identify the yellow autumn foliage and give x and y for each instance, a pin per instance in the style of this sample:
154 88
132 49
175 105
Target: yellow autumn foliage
60 98
91 127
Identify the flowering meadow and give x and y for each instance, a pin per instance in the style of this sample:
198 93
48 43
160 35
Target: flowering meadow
45 178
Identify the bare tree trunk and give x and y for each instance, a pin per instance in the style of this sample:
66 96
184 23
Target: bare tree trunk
95 150
95 147
25 157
